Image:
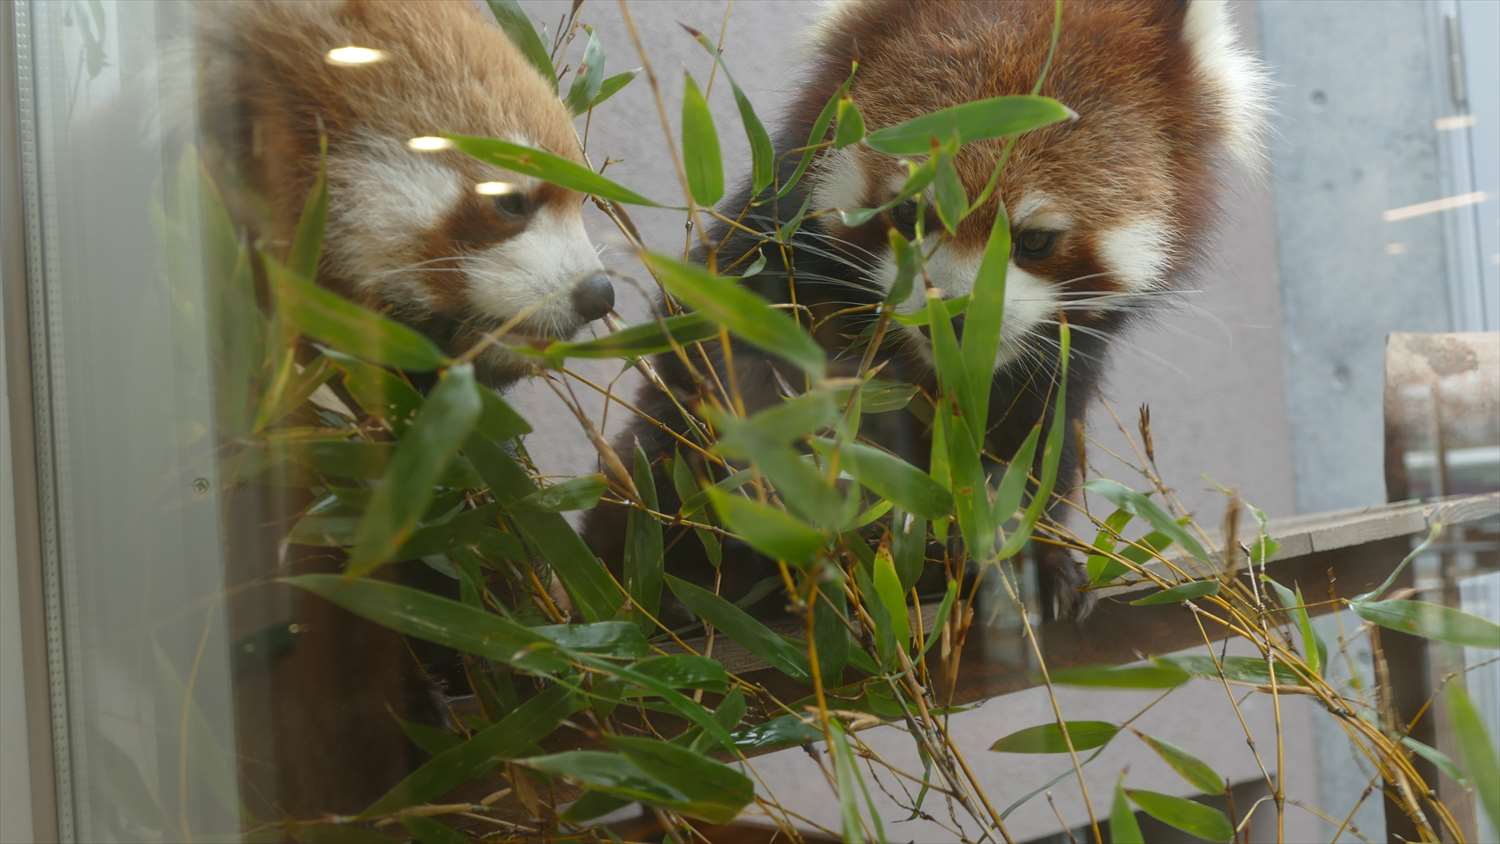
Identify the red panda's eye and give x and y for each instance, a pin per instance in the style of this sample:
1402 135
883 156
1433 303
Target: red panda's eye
904 217
1035 243
513 205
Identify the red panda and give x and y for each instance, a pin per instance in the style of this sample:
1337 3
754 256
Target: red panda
452 246
1105 210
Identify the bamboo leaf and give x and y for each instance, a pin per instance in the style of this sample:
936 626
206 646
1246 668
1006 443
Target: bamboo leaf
780 731
1241 669
888 590
1123 827
949 198
773 532
849 124
745 314
850 784
425 616
613 85
588 79
508 738
908 261
1048 738
446 419
1314 652
984 317
682 781
892 478
329 318
636 341
1178 594
1430 621
643 545
1197 772
818 135
742 628
944 608
513 20
548 167
1051 453
972 121
307 240
594 592
1128 499
829 633
762 152
1439 759
1013 483
379 392
1130 677
685 671
1195 819
580 493
700 146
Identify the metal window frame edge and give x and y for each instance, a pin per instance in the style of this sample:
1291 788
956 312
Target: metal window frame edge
27 373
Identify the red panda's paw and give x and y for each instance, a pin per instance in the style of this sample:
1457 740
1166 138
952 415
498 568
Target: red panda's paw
1060 580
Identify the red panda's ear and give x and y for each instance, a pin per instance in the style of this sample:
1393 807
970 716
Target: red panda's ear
1237 81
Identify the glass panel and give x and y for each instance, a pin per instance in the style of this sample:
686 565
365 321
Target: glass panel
397 479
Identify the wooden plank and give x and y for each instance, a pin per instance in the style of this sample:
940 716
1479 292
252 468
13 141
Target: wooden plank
1308 544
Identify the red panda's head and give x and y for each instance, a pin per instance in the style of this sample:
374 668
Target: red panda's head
457 247
1103 208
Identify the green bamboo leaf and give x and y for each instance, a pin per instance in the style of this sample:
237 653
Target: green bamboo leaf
1101 568
972 121
580 493
984 316
1128 499
592 805
1123 827
949 198
544 165
1439 759
329 318
890 477
606 638
1130 677
941 618
1048 738
1013 483
428 831
667 776
425 616
613 85
643 545
789 229
1178 594
781 731
1195 819
432 740
1433 532
818 135
1314 652
1138 551
289 395
307 240
380 393
908 261
1197 772
849 124
508 738
588 79
829 631
850 786
1051 454
718 791
700 146
976 519
685 671
595 594
773 532
762 152
1242 669
908 547
742 628
518 27
636 341
446 419
888 591
742 312
498 421
1430 621
793 419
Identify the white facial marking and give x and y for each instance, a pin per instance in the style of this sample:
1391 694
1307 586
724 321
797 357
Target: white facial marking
1238 77
533 273
1036 211
838 180
1136 253
380 195
1029 299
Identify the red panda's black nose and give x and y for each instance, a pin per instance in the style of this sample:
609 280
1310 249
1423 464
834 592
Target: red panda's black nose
594 297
